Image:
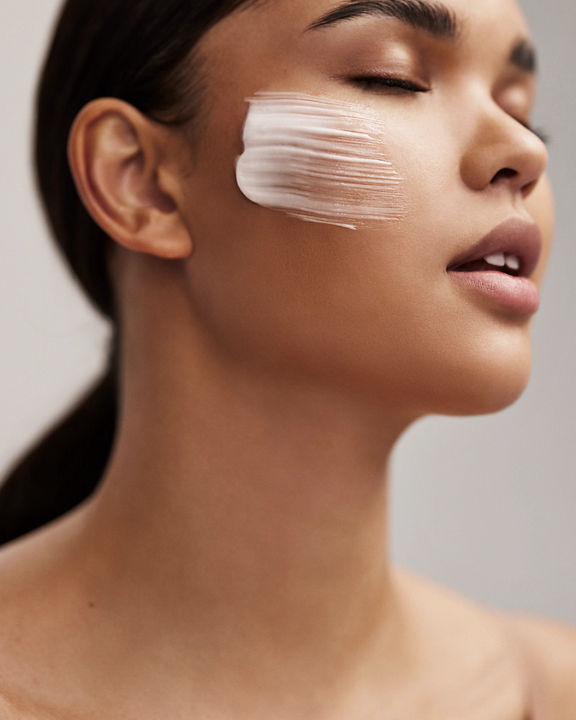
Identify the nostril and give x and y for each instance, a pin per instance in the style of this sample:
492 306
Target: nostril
504 174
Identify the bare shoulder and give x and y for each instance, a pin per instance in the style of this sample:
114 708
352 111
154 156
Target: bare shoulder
550 650
540 651
471 646
31 607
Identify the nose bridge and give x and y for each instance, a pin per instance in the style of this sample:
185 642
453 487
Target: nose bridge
501 150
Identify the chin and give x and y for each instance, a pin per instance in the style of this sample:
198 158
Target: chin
485 381
483 400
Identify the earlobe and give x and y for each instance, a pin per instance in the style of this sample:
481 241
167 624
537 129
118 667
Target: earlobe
121 163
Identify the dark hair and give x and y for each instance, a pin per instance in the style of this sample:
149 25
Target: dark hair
141 52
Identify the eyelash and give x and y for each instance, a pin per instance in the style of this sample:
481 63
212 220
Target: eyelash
540 133
383 82
380 83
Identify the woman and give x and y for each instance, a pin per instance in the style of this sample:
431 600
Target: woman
311 223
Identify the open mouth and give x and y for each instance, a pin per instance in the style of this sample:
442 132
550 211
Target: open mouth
499 267
512 248
497 262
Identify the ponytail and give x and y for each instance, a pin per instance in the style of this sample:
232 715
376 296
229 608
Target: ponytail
65 466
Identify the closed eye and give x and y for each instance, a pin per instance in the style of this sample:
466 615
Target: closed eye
381 83
539 132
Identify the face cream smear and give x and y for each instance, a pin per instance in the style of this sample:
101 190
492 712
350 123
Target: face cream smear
318 159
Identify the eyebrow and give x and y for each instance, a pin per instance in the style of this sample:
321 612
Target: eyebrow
432 17
523 56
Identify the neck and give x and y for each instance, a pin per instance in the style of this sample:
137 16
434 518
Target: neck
247 516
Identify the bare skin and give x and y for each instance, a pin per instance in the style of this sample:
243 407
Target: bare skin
234 562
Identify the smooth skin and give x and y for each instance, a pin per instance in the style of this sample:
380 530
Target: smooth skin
234 563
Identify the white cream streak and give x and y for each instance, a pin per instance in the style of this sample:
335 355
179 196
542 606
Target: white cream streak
318 159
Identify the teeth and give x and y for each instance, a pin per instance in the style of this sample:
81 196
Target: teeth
513 262
501 260
498 259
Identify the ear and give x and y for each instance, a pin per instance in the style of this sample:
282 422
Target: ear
126 170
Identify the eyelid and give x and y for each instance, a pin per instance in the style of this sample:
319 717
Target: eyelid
389 81
540 133
517 100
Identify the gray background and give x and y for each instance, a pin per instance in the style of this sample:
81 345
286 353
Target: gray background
484 505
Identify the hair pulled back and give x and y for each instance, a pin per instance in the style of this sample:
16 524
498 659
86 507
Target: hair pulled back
141 52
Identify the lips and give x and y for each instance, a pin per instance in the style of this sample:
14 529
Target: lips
514 238
499 267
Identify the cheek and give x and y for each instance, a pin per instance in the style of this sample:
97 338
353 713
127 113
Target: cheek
319 160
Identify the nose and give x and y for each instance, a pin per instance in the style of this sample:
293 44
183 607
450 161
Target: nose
503 154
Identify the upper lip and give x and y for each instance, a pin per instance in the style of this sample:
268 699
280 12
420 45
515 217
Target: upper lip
512 237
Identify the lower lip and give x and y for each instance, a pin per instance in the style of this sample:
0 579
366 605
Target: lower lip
518 295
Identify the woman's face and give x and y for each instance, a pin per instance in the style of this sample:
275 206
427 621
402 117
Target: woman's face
377 309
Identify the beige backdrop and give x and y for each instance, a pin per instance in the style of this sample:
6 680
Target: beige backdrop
487 506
